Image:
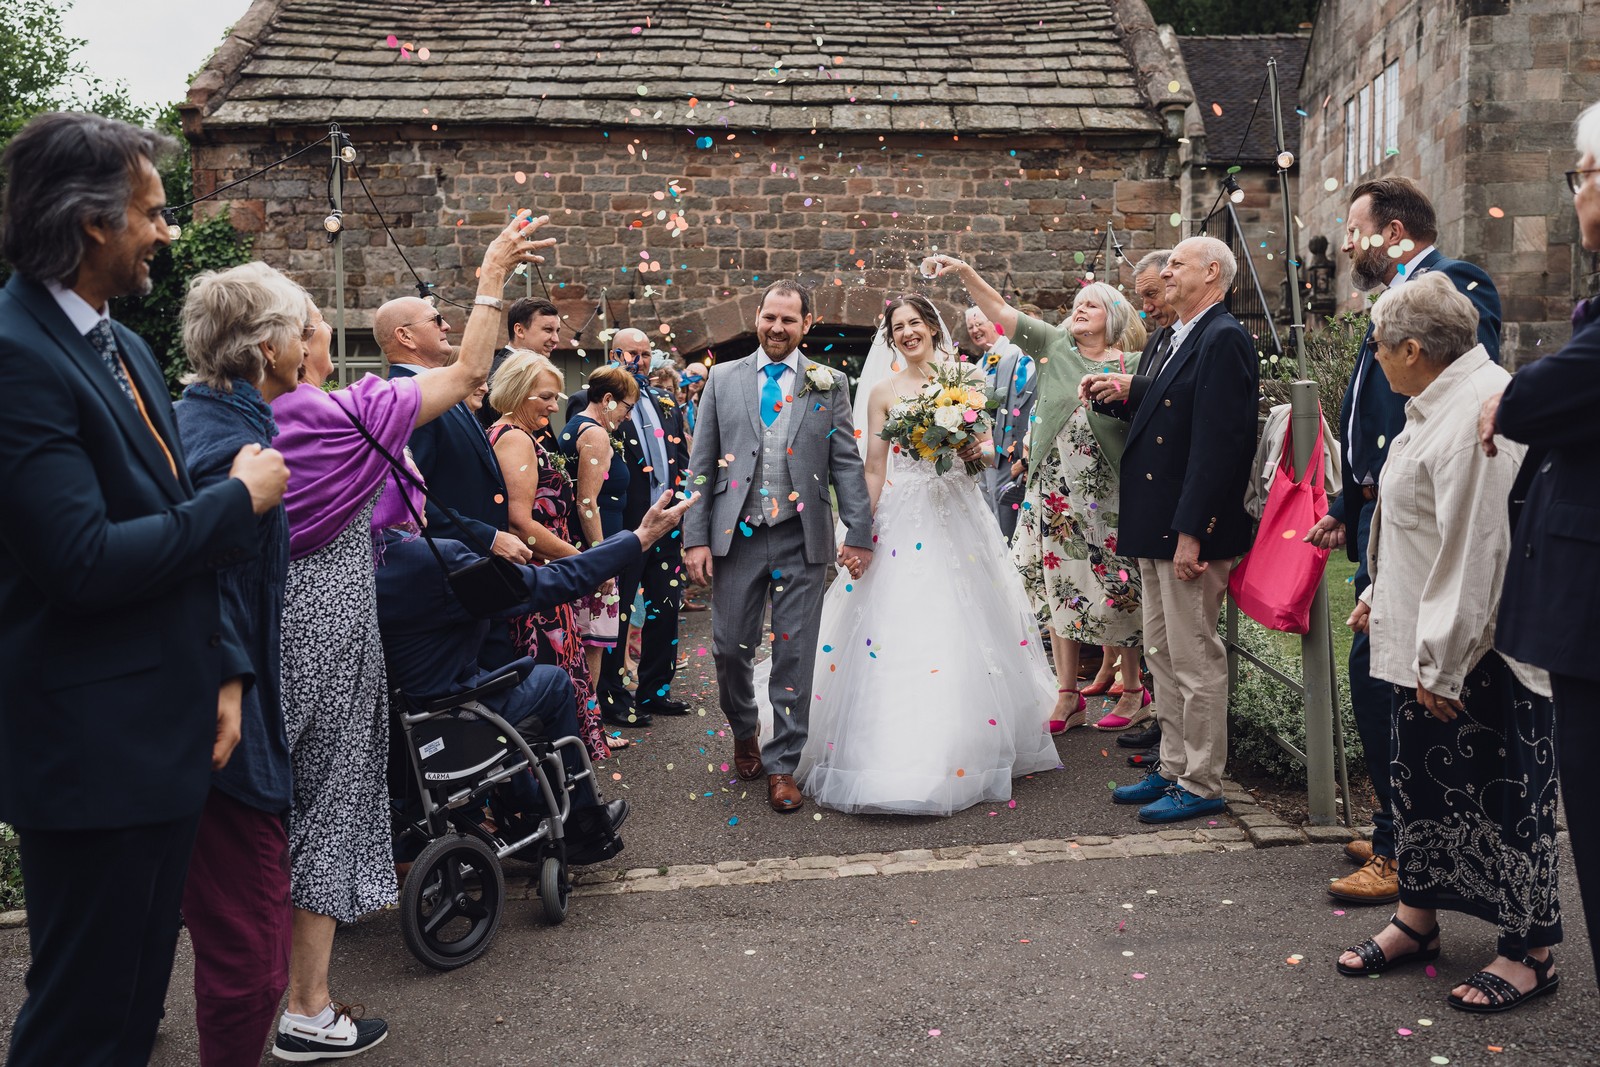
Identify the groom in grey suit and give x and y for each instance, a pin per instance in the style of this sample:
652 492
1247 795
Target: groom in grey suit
774 434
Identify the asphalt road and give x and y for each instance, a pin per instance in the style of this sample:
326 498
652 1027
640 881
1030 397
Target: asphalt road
1009 966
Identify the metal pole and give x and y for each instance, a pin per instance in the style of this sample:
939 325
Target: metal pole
1306 424
336 189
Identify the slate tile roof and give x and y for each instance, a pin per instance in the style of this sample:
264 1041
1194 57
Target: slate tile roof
1228 72
871 66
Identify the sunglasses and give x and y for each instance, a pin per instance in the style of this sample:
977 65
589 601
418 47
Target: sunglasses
438 320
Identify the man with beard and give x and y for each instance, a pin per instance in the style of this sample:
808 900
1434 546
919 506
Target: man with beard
531 324
1389 238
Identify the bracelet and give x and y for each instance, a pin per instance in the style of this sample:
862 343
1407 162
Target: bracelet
490 301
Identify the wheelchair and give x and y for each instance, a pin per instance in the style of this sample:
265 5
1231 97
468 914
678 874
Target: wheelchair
446 797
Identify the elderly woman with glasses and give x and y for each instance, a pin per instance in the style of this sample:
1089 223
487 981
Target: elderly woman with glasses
602 490
1471 757
1549 611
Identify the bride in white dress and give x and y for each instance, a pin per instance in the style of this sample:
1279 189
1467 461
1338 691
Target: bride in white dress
932 690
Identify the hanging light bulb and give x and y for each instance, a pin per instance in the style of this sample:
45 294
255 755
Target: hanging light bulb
1237 196
348 153
170 217
334 222
1285 159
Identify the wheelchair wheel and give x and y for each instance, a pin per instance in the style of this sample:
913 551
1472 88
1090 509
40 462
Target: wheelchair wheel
553 890
451 904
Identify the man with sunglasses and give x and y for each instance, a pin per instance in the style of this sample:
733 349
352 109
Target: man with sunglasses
656 450
1389 238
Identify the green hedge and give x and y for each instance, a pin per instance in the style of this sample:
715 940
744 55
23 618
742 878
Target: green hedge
10 870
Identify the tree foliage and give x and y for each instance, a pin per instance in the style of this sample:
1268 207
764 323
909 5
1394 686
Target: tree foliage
39 71
1233 16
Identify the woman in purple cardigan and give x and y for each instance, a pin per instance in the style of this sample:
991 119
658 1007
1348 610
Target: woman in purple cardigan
335 705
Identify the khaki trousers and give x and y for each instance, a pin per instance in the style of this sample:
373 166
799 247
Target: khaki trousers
1190 668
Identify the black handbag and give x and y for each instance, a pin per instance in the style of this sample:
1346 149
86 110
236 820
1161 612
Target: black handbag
487 587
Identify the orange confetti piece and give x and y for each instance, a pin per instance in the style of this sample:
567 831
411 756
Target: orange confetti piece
1497 213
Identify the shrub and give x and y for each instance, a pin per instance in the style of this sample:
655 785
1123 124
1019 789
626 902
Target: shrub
1330 360
10 870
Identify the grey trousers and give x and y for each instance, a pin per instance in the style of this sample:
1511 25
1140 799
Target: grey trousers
770 564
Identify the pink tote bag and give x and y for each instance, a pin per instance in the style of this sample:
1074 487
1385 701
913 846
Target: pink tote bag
1277 579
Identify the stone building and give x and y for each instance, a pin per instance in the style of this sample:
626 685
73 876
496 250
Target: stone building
690 151
1474 99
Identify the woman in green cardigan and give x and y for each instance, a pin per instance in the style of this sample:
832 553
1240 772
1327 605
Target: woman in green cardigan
1066 540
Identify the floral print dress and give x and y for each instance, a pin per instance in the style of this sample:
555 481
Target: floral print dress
552 636
1066 545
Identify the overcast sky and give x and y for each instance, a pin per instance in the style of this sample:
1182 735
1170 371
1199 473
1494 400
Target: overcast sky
153 45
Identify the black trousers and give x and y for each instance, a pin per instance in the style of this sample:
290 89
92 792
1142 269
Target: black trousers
1577 748
102 927
660 574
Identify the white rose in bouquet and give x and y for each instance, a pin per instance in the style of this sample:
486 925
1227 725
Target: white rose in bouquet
949 418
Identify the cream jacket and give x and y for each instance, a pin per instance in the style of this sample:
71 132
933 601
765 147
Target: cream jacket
1437 553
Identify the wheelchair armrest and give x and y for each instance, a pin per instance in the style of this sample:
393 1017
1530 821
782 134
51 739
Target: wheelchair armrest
507 677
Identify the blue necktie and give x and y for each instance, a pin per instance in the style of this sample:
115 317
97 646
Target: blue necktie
771 393
104 342
1023 363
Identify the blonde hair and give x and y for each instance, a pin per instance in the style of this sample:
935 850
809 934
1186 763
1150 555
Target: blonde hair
516 378
228 314
612 381
1119 311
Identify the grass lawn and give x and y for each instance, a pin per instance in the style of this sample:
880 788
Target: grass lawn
1341 601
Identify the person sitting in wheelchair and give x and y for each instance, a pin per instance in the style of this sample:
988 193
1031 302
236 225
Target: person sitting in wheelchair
432 641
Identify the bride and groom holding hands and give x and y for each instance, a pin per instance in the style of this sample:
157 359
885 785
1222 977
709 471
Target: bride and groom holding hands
918 683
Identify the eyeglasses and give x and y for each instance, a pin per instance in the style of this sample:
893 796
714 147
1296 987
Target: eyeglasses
1576 178
438 320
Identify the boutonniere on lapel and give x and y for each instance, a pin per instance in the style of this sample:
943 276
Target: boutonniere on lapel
819 379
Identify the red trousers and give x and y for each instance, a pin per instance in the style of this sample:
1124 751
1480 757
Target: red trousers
236 906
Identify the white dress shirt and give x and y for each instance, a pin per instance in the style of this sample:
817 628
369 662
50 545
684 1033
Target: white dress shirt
83 317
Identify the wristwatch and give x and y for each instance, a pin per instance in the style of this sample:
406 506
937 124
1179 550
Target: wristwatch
490 301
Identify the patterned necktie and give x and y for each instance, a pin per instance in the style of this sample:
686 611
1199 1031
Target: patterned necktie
105 343
771 393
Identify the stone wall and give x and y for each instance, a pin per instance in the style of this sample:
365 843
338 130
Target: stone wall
1488 92
687 231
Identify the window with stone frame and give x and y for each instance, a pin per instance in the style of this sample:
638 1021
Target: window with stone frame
1351 134
1391 111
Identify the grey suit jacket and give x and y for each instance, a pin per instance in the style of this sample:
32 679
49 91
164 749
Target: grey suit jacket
1010 429
822 454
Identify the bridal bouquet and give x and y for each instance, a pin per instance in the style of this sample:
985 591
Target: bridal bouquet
951 410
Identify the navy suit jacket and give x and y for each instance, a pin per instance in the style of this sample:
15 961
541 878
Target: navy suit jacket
1381 412
431 642
112 638
670 416
459 465
1191 446
1549 610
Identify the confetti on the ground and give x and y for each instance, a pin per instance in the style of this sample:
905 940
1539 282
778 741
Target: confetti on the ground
1404 1031
933 1033
1138 974
1497 213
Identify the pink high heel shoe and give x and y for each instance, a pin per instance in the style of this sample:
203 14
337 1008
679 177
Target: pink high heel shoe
1115 722
1080 717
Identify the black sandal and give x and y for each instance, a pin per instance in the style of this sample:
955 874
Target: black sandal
1503 996
1375 962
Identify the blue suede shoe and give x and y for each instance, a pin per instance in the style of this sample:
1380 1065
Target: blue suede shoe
1180 804
1152 788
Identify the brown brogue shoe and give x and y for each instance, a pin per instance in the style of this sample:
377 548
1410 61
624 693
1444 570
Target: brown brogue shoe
1376 883
782 793
1359 851
747 758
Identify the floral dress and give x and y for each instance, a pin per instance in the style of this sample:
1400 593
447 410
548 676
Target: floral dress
1066 545
552 636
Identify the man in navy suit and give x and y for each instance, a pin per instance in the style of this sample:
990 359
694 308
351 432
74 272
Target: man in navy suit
1190 448
656 450
1385 216
120 683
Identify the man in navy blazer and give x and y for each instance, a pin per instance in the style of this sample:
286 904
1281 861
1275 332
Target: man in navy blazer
1384 215
656 450
1191 443
120 683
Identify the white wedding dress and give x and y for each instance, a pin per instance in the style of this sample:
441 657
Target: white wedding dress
932 690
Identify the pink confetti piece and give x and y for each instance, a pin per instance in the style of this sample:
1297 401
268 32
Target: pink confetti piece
1431 971
933 1033
1138 975
1403 1032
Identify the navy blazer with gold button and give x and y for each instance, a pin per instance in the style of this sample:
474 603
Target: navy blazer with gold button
1191 445
112 638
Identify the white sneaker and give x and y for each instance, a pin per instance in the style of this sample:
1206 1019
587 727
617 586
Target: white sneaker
346 1036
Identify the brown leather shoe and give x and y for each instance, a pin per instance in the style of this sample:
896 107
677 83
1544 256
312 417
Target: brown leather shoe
782 793
1376 883
747 758
1359 851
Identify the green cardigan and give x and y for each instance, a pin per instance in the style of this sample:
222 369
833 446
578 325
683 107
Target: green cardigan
1060 368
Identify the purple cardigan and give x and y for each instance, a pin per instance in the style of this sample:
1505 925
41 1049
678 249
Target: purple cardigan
333 471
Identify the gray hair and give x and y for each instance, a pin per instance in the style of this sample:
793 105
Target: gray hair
1431 311
1586 132
1214 251
64 171
1118 310
1156 261
228 314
